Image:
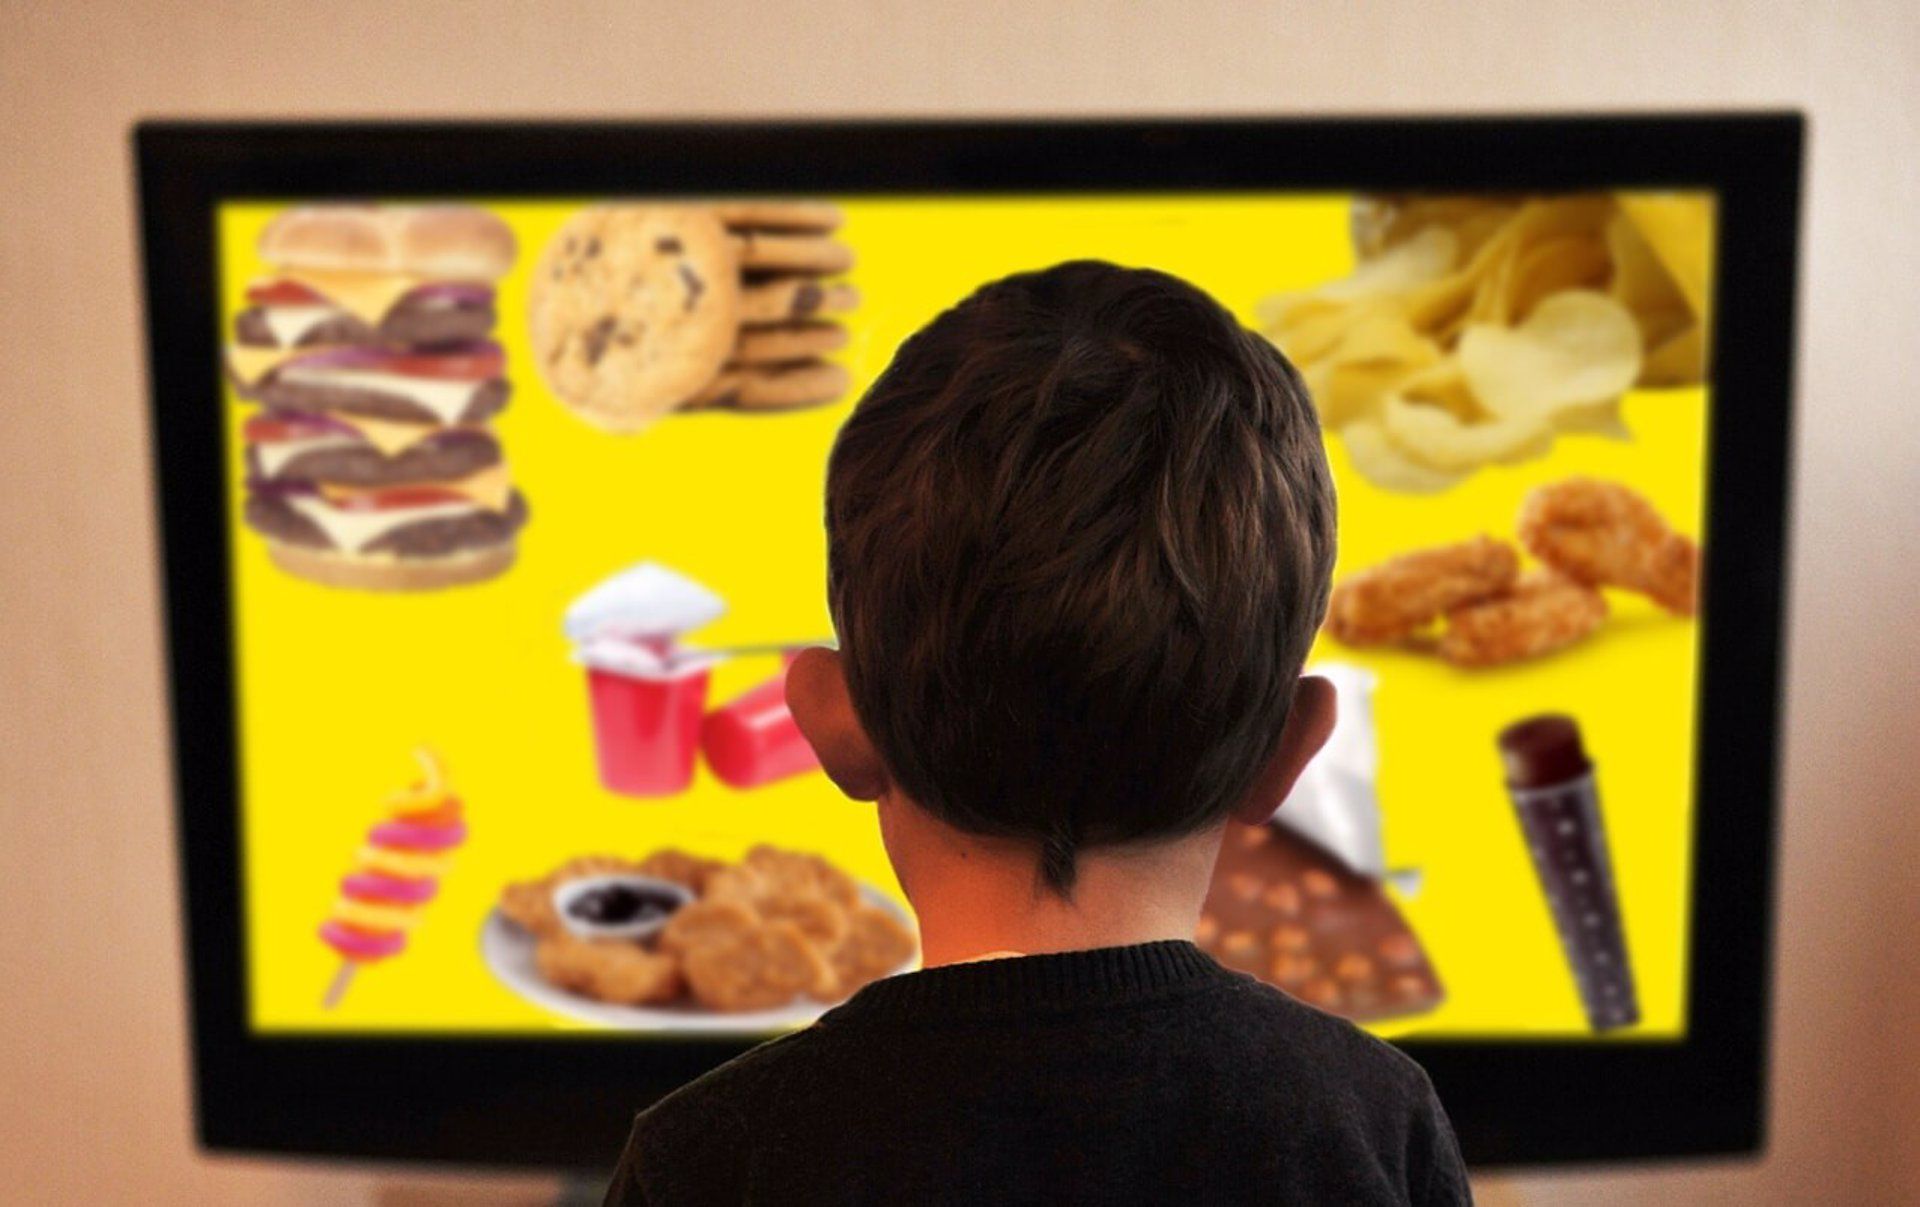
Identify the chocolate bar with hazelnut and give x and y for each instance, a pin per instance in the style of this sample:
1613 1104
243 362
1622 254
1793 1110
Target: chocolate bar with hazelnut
1289 913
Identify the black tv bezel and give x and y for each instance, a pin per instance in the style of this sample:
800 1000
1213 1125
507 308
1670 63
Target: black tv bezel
566 1101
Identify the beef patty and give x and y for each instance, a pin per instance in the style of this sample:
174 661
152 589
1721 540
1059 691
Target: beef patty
442 457
411 323
276 519
489 400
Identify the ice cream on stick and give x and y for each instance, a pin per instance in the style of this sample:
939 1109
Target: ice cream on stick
395 874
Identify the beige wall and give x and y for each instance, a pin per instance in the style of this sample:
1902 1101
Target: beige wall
92 1091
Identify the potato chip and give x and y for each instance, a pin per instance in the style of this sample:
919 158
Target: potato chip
1475 329
1377 460
1434 436
1300 320
1555 266
1673 337
1555 217
1380 221
1679 229
1309 331
1344 393
1476 292
1513 256
1434 420
1443 385
1377 354
1640 282
1426 256
1381 336
1576 347
1681 361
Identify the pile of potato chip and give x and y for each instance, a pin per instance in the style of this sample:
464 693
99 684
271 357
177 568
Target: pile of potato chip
1476 329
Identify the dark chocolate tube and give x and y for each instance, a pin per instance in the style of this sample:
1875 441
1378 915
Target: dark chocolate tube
1552 785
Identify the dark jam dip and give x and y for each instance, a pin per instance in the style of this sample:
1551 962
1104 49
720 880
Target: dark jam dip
619 904
618 907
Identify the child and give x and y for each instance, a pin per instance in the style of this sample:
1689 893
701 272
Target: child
1079 541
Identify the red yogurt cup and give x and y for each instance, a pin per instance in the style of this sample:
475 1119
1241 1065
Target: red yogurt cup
646 727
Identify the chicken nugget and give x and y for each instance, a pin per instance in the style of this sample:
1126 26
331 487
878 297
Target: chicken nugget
1605 535
679 866
762 968
876 945
1546 611
707 922
735 882
1397 598
528 904
590 865
801 872
607 970
820 921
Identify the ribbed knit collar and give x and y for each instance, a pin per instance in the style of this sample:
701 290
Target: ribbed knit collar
1103 976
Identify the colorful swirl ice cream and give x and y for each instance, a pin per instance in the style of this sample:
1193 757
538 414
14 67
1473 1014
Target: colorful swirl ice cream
395 874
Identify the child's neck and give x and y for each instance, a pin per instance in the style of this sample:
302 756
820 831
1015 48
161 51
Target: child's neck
980 897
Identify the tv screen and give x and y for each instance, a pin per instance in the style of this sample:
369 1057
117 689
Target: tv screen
494 503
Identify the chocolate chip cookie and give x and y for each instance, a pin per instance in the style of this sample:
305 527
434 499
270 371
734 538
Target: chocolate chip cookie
633 309
773 387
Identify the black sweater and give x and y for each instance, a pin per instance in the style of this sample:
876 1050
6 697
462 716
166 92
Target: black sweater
1143 1074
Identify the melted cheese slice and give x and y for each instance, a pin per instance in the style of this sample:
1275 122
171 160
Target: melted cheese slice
447 400
250 364
490 488
389 437
366 295
355 530
275 454
290 324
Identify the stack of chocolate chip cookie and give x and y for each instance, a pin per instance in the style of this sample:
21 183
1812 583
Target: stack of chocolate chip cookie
789 301
638 311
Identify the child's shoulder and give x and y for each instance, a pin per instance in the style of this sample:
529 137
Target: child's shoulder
701 1130
1270 1028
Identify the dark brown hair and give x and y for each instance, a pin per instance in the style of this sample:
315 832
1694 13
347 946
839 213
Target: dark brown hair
1079 540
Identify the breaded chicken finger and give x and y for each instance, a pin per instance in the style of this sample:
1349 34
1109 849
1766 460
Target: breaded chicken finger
1605 535
1395 599
1546 612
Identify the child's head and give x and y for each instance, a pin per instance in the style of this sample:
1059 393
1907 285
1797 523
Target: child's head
1080 534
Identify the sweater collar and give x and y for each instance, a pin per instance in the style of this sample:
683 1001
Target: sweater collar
1017 984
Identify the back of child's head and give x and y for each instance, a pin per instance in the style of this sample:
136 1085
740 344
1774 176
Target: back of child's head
1080 534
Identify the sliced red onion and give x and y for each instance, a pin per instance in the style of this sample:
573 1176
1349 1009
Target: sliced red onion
280 488
455 291
318 420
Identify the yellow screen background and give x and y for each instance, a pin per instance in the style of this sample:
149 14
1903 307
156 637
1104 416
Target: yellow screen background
336 687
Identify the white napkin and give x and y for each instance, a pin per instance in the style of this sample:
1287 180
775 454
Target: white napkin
1334 803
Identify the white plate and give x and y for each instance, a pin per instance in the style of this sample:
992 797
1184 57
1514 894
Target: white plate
508 952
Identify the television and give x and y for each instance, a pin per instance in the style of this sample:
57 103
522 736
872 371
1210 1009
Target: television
490 458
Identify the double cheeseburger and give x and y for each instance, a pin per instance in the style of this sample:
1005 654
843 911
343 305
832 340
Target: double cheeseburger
372 463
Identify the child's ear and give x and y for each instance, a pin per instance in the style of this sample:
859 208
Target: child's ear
1309 725
817 697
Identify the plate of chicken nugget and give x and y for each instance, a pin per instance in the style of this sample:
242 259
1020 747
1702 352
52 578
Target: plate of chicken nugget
677 942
